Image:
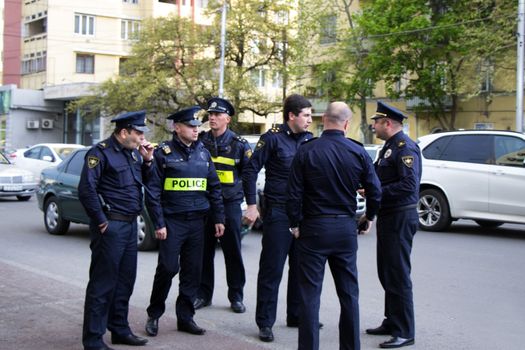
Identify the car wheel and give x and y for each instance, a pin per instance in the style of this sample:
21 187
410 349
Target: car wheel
23 198
145 233
433 210
488 223
53 220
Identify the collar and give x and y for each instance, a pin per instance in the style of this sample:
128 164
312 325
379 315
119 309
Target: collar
113 142
333 132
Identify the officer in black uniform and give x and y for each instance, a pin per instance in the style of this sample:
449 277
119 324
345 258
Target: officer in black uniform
275 151
322 187
183 185
230 154
399 169
110 190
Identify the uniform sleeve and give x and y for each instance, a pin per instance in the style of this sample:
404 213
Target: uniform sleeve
245 157
372 186
408 165
249 176
295 190
215 193
94 163
154 182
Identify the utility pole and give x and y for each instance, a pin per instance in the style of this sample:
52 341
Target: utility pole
519 68
223 44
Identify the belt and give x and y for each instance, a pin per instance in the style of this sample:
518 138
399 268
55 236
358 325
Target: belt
121 217
335 216
396 209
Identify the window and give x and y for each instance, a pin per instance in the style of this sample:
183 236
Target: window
259 77
328 29
131 1
462 148
34 62
76 163
129 29
202 3
84 24
85 64
33 153
510 151
277 80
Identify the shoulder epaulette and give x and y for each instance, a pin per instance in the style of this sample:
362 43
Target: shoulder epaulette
401 143
275 129
355 141
308 140
165 148
102 145
240 139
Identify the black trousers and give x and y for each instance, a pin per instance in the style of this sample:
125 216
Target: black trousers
182 249
333 240
112 276
395 232
231 248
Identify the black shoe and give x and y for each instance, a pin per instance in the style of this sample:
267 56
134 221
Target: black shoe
396 342
103 347
199 303
130 339
190 327
266 334
294 323
238 307
381 330
152 326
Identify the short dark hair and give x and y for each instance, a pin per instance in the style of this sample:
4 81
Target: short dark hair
117 129
295 103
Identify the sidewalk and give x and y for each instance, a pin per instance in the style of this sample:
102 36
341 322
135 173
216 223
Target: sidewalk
40 313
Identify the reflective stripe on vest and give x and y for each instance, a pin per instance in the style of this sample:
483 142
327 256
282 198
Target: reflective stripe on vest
223 160
185 184
225 176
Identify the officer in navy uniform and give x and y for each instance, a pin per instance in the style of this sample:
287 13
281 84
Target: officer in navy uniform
275 151
110 190
230 154
399 170
183 186
322 188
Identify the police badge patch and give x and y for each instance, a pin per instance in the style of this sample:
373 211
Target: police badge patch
93 162
248 153
259 145
408 161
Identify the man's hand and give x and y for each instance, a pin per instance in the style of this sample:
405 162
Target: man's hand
219 230
161 233
294 231
146 151
250 215
103 227
364 225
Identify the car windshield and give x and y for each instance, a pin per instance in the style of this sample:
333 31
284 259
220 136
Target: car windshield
63 152
3 159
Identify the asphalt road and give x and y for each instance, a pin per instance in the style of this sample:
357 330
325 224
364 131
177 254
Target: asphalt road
469 289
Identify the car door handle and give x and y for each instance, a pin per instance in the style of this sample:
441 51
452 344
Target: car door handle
498 172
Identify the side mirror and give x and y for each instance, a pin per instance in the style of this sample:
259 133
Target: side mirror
47 158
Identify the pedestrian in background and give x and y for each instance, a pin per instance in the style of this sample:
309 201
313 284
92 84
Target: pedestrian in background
321 206
230 154
183 186
399 170
110 190
275 151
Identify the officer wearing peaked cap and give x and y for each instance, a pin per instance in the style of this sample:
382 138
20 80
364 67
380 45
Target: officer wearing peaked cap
275 151
230 154
399 170
110 189
183 187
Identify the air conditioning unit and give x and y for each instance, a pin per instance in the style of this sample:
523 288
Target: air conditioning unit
32 124
47 123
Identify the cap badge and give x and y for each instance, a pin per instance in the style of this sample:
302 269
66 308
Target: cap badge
388 153
213 105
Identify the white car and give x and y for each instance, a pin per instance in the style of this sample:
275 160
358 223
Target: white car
15 182
43 155
476 174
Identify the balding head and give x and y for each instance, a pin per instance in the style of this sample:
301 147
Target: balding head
337 116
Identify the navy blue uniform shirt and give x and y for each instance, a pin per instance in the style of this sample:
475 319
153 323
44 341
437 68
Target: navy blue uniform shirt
399 170
109 171
230 154
325 176
275 151
183 180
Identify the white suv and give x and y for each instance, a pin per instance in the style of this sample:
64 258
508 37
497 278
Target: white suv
478 175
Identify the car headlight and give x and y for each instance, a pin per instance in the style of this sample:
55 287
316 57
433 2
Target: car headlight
28 178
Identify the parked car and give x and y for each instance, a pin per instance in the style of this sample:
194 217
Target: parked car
477 174
15 182
43 155
57 196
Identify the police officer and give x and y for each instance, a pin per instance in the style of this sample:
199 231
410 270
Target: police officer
275 151
322 187
183 186
230 154
399 170
110 190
